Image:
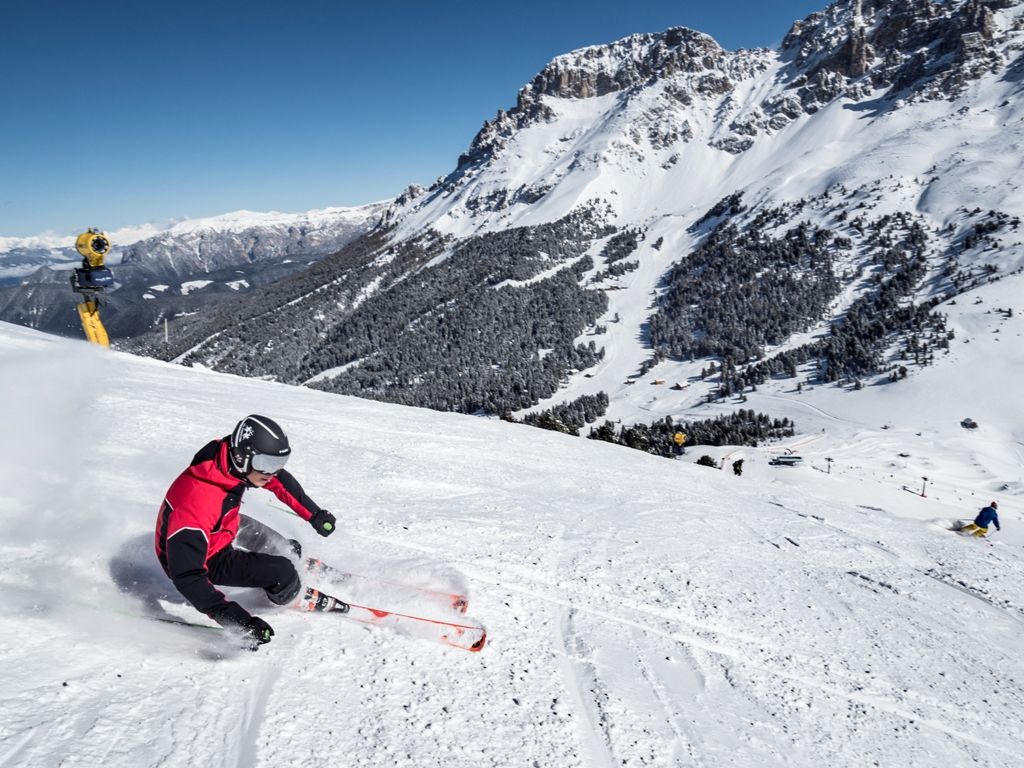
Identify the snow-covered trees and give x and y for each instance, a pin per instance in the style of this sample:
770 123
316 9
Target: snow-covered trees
743 427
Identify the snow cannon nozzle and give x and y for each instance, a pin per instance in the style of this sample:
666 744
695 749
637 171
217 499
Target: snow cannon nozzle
92 276
94 246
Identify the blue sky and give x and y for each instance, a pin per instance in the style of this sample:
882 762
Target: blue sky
120 113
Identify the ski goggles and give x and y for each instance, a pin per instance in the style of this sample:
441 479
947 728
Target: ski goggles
267 464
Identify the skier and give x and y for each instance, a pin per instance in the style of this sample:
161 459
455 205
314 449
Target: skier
980 525
199 520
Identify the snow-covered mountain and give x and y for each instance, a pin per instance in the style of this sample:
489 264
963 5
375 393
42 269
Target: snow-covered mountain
244 237
186 267
21 256
640 612
657 124
662 212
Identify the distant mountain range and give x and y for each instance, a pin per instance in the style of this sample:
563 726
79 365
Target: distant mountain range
663 211
185 268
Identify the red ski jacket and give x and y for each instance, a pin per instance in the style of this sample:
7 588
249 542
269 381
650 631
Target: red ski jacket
199 518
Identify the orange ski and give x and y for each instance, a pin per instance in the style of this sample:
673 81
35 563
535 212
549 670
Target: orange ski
468 637
319 567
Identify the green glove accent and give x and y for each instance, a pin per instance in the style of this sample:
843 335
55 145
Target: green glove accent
323 522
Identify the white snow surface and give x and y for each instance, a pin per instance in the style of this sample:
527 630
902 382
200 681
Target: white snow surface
193 285
640 611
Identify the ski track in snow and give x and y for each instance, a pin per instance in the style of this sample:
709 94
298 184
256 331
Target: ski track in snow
592 696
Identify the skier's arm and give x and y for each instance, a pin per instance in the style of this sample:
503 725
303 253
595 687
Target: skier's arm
287 489
995 519
186 565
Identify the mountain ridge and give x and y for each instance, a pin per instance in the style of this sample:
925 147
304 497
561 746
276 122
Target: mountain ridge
190 266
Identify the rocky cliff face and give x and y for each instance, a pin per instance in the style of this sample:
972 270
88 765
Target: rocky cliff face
896 49
693 62
909 49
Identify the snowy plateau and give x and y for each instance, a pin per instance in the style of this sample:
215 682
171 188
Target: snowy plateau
640 611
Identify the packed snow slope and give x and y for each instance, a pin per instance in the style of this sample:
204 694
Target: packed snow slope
640 611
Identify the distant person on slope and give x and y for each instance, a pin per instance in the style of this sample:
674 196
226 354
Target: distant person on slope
199 520
980 525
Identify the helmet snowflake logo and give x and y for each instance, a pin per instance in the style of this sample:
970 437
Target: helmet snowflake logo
246 432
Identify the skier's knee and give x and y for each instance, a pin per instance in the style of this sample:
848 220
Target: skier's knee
287 586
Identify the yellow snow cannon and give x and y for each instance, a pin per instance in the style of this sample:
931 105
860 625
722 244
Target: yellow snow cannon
90 280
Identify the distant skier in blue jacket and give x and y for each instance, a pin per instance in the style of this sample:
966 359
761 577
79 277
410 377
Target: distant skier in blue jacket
986 516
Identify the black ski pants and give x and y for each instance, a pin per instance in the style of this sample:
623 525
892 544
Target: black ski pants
275 573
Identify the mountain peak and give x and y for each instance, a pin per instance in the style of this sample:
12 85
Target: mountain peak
921 50
632 61
622 66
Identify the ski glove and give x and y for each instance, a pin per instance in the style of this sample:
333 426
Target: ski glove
258 630
323 522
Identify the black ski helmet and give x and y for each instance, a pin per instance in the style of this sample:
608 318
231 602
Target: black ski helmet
258 443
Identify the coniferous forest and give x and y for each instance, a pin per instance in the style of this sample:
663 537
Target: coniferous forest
743 427
491 324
